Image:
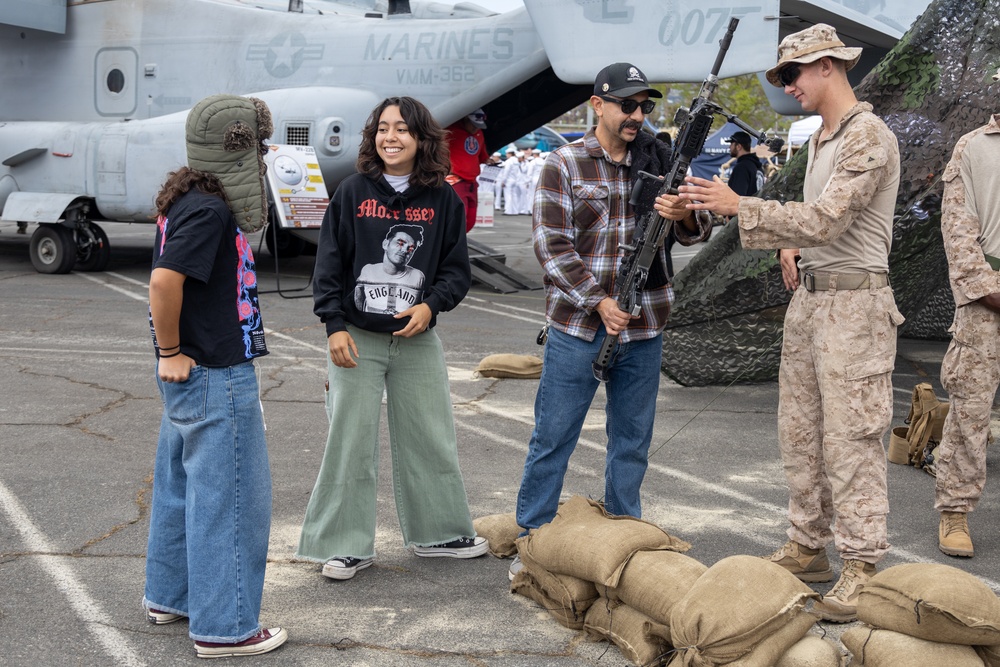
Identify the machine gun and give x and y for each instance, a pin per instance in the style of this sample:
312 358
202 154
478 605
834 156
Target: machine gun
695 124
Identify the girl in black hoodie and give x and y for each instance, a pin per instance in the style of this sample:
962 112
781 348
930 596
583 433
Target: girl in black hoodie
392 255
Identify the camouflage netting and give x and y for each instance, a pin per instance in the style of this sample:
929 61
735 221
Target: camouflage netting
931 89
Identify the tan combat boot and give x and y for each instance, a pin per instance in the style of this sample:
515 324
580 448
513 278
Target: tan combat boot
840 605
953 535
810 565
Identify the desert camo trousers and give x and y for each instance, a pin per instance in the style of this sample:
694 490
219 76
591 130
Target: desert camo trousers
834 407
970 373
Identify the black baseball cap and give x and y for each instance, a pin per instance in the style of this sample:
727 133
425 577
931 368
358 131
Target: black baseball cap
741 138
622 80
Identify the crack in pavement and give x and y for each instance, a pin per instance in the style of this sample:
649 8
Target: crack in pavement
77 421
142 505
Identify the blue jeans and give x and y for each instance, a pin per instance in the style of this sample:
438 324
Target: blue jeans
565 393
211 513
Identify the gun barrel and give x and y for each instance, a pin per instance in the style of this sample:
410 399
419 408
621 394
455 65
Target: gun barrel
724 46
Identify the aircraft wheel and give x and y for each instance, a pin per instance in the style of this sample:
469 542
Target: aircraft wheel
288 245
52 249
93 250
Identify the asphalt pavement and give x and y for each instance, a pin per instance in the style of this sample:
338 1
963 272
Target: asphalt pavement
79 416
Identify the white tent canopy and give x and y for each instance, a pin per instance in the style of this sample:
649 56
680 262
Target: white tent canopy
801 130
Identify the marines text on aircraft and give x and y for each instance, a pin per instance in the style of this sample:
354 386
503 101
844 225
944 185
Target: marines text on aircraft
98 90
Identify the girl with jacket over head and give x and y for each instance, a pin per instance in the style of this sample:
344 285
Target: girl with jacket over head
392 255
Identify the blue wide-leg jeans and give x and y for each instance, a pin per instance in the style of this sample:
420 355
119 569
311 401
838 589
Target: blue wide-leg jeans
211 512
565 392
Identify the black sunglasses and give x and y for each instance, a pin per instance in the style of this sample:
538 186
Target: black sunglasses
629 105
788 75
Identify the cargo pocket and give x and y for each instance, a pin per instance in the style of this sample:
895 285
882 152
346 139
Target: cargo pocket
185 402
866 387
967 369
868 367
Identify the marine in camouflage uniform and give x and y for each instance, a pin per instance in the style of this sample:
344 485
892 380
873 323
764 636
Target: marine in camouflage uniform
835 380
970 372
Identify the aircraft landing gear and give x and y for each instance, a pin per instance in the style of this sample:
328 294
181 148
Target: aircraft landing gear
52 249
75 242
93 250
57 248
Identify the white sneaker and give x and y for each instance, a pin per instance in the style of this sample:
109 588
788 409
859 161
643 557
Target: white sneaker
345 568
515 567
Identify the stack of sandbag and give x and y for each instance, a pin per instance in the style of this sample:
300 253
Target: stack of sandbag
500 531
564 596
744 611
583 548
925 614
635 614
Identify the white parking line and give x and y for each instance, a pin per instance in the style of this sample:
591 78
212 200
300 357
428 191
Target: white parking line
127 279
539 320
143 297
505 306
60 569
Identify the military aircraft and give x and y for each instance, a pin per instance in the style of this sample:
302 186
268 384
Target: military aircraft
96 92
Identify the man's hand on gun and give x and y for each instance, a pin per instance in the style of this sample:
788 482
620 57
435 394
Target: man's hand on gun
713 195
671 207
615 319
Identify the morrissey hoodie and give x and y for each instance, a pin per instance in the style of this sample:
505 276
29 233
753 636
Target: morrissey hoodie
382 252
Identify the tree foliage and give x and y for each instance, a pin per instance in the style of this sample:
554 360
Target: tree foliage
739 95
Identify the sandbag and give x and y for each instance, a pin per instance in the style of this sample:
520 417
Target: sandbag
500 530
525 584
638 637
583 541
510 366
935 602
654 581
564 596
811 651
744 611
990 655
874 647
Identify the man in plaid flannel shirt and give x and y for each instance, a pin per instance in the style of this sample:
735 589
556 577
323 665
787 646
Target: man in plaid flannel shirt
581 216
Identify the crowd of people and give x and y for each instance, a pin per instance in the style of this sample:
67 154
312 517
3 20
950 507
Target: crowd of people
384 274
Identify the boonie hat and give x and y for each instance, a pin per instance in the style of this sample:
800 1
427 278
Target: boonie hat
741 138
478 118
622 80
808 46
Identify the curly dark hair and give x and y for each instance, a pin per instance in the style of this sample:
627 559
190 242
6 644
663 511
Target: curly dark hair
432 163
182 181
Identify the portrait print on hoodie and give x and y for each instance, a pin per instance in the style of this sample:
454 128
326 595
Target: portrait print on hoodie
392 285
